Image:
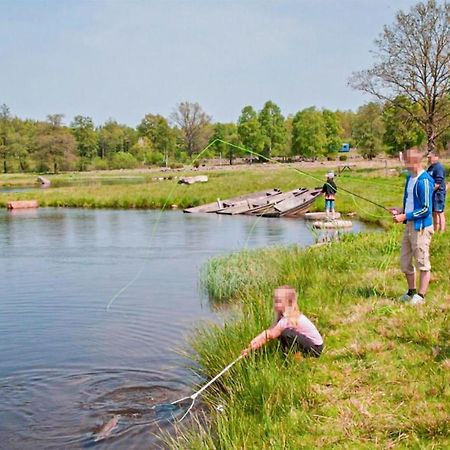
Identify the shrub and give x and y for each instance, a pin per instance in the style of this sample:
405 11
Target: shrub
342 157
122 160
98 164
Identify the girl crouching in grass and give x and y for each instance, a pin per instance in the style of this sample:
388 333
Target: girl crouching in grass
295 331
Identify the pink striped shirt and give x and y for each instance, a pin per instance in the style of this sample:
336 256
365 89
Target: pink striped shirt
304 327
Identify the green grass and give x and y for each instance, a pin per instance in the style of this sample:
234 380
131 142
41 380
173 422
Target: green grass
140 190
383 379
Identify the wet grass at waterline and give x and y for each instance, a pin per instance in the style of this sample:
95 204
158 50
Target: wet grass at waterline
146 192
382 381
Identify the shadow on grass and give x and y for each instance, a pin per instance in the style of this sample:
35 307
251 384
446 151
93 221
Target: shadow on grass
369 291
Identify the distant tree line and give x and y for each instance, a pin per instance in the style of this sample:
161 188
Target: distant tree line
50 146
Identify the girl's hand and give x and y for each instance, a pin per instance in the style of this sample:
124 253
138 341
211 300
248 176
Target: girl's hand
256 343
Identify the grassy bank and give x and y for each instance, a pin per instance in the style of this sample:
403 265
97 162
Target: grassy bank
382 381
141 190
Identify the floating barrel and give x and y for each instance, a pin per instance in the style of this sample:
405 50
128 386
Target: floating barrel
22 204
320 215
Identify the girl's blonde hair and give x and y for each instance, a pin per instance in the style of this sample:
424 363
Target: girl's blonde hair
291 311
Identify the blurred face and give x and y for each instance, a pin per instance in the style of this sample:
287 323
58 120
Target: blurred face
432 158
279 300
413 159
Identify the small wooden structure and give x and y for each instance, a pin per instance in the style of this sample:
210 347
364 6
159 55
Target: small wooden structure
45 182
345 166
320 216
22 204
322 225
192 180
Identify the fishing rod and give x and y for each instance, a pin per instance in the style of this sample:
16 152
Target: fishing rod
303 173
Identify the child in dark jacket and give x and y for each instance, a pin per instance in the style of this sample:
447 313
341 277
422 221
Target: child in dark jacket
329 190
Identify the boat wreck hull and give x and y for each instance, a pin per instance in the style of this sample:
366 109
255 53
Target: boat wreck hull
273 203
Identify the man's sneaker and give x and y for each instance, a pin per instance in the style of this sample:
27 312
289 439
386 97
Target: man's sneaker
405 297
417 299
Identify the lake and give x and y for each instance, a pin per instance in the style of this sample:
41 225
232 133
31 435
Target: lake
95 310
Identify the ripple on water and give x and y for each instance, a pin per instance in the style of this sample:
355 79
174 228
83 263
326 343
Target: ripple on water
67 408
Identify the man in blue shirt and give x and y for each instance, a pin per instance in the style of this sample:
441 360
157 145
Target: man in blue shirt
417 214
437 172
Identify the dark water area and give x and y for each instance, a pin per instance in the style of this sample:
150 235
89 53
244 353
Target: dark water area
68 362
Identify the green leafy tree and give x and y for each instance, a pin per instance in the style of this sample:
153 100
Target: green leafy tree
55 145
332 131
6 132
402 131
273 128
228 134
114 137
86 138
345 119
309 137
249 130
368 130
413 60
159 133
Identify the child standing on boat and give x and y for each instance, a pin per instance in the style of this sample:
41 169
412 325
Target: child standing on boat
294 330
329 190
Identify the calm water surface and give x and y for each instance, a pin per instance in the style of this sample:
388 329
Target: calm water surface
68 363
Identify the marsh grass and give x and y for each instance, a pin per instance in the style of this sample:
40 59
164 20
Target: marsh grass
146 193
382 381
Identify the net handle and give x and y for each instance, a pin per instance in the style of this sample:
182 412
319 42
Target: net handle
196 394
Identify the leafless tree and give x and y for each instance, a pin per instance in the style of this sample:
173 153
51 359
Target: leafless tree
192 121
413 60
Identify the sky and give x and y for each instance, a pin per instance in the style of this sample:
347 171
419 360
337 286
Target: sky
122 59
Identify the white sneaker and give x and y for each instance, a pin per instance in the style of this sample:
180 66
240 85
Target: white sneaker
417 299
405 297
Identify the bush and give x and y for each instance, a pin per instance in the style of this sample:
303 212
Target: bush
342 157
98 164
122 160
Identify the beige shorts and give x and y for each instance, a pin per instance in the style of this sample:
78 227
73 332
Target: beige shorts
416 245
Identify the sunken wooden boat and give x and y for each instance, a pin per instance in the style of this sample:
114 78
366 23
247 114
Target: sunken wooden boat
235 202
293 203
272 203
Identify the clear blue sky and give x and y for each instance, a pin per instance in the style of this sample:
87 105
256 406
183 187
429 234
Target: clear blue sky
122 59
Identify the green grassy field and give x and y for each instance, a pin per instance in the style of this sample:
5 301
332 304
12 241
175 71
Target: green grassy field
140 190
383 379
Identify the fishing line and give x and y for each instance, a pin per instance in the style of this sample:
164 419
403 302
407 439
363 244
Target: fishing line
152 234
304 173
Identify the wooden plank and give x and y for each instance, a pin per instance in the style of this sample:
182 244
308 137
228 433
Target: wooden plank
320 215
22 204
333 224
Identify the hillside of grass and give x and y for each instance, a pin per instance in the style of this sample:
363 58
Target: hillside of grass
383 379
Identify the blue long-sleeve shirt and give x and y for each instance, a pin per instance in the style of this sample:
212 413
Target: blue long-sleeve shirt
421 215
